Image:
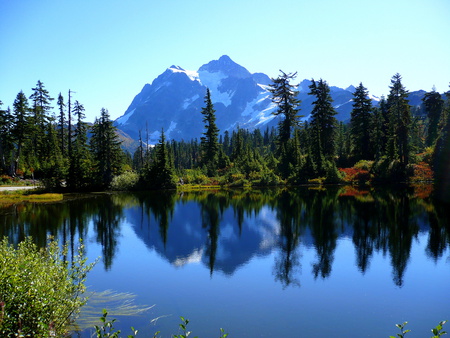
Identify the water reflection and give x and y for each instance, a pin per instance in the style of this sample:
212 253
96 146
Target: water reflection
224 230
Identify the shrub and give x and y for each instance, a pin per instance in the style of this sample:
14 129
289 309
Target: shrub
40 293
5 179
126 181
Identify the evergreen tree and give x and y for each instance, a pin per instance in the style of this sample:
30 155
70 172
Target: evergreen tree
441 158
40 118
284 95
53 166
105 147
20 130
433 104
377 133
80 159
62 125
6 141
399 122
360 124
209 141
323 124
160 173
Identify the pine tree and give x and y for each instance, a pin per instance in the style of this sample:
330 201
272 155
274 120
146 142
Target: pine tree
20 130
6 141
80 159
62 125
209 141
105 147
377 133
441 158
399 122
284 95
360 124
160 173
433 104
40 118
323 124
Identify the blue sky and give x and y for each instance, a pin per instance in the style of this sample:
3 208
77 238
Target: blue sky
106 51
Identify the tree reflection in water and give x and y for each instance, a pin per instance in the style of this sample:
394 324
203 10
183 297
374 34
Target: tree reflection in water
377 220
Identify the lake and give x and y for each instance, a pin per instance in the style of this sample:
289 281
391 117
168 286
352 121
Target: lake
303 262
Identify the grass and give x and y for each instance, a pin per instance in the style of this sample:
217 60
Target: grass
8 197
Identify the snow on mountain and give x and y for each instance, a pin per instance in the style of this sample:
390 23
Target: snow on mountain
173 101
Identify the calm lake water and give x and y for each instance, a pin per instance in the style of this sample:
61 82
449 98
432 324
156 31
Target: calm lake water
335 262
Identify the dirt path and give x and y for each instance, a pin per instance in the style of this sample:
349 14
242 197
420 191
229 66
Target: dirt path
25 187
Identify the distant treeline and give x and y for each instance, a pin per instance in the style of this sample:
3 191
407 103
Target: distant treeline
389 143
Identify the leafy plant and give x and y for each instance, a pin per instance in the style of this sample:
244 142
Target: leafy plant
437 331
40 292
403 332
106 330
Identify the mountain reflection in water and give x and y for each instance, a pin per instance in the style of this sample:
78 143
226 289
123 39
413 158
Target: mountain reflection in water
225 229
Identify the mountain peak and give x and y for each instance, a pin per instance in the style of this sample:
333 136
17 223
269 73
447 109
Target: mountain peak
226 66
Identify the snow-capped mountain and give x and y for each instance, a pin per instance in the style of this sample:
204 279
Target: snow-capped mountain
175 98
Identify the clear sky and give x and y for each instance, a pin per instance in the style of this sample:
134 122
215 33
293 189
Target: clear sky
106 50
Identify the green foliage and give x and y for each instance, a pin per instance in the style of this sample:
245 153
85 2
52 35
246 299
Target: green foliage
40 292
403 332
194 176
107 155
107 330
437 331
160 174
126 181
360 124
209 141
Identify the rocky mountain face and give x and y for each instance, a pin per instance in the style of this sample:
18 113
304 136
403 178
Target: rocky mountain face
173 102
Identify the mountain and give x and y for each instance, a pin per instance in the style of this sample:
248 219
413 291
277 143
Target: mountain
173 101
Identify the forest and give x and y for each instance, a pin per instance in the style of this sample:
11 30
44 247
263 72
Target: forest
392 142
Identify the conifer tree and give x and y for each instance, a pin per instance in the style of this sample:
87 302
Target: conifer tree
160 173
323 124
360 124
441 158
284 95
62 125
40 118
377 133
105 147
209 141
6 141
433 104
20 129
399 122
80 159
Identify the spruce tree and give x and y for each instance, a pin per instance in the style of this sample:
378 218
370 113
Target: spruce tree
360 124
160 173
433 104
323 125
441 158
62 125
284 96
399 122
80 159
106 151
40 118
6 141
20 130
209 141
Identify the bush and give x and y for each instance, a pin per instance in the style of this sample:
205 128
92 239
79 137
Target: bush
5 179
40 293
127 181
